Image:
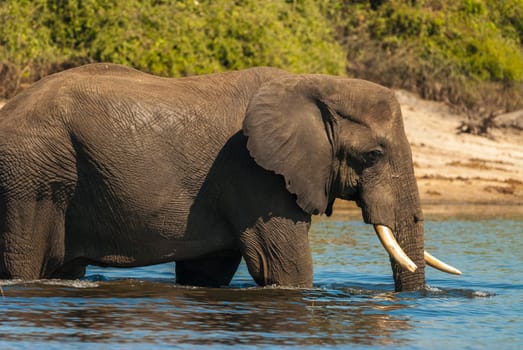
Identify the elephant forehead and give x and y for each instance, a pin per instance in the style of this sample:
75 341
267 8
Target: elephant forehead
358 99
338 88
376 114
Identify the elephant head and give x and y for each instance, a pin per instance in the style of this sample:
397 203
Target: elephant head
333 137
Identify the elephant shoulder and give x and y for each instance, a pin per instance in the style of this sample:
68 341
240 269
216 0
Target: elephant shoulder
103 69
268 73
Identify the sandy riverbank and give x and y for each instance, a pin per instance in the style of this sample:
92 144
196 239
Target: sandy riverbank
460 169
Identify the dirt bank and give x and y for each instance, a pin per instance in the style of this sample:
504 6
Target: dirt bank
462 168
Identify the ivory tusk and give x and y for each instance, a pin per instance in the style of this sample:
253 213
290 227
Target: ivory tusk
440 265
393 248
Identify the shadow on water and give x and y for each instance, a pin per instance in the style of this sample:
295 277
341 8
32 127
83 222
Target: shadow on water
113 311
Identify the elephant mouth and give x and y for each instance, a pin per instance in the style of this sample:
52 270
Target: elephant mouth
392 247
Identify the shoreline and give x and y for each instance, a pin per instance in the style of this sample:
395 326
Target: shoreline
441 210
462 169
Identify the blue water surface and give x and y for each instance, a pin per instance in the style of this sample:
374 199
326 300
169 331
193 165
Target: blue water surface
351 306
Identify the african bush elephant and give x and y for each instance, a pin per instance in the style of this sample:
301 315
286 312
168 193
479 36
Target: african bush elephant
109 166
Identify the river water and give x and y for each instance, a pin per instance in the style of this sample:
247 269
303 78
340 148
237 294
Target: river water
351 306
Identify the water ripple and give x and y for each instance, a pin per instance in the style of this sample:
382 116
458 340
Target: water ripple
352 304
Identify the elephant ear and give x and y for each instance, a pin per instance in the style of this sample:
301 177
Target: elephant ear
287 134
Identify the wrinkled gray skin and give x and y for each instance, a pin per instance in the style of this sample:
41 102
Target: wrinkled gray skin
108 166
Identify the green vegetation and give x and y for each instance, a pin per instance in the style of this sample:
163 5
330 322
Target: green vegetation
467 52
169 37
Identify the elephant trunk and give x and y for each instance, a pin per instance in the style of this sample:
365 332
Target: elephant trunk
409 233
394 206
410 236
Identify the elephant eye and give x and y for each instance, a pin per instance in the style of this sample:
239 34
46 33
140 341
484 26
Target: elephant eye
373 156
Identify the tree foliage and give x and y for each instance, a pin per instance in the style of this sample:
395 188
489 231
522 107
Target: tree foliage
167 37
467 52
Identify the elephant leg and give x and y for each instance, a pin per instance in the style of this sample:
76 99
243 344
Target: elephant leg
210 271
277 252
31 239
70 271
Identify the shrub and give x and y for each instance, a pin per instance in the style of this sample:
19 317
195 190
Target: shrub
468 53
167 37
